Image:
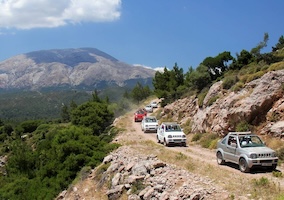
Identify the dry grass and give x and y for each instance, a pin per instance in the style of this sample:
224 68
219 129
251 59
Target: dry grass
276 66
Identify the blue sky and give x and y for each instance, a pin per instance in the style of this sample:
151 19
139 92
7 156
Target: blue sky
152 33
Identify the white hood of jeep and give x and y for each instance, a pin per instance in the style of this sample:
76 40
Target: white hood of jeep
258 150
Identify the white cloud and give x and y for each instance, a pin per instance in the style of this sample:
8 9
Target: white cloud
27 14
140 65
160 69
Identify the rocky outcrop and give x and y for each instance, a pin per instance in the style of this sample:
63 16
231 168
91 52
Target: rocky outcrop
146 177
260 101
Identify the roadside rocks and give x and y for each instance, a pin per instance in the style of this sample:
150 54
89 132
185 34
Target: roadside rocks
259 102
146 177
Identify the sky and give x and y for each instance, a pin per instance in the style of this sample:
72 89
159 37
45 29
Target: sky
151 33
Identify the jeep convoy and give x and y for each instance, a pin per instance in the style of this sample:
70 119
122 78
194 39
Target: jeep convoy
242 148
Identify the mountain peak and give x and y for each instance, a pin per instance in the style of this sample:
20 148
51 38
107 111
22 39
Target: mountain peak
82 67
70 57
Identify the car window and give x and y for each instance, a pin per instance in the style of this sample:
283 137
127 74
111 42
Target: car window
173 128
251 141
153 120
232 141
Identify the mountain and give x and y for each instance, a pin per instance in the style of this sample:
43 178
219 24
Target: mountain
73 68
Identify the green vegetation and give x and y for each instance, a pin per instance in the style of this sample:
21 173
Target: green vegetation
243 126
45 157
206 140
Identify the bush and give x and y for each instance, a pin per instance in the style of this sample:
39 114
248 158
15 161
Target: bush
242 127
212 100
187 127
196 137
276 66
238 86
30 125
209 140
229 81
255 76
280 153
201 97
261 182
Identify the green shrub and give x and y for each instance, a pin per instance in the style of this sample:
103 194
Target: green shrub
137 187
187 127
100 170
196 137
280 153
229 81
212 100
255 76
242 127
262 182
276 66
277 174
201 97
30 125
209 140
238 86
213 144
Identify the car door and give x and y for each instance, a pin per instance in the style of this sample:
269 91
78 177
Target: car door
161 132
230 149
142 124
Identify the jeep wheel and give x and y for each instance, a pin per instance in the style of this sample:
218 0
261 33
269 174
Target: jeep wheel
243 165
220 159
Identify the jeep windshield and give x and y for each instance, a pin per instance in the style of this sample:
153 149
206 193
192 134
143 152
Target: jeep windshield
251 141
171 128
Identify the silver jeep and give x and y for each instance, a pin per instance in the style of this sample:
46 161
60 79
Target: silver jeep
245 149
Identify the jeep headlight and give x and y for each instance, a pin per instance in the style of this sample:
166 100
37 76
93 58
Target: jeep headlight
253 155
273 154
183 136
170 136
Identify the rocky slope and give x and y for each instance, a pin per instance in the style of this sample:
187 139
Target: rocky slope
145 177
259 103
83 67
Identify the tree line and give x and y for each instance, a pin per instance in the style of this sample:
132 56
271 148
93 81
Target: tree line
172 84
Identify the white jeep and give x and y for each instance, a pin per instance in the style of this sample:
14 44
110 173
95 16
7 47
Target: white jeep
171 133
149 124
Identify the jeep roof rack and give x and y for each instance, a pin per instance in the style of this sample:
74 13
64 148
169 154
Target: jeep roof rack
240 133
169 123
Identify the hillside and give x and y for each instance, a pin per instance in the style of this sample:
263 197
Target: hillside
73 68
257 106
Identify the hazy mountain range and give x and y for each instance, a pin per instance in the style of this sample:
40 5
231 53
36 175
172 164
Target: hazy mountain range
74 68
35 85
